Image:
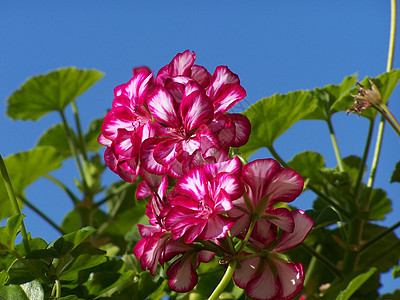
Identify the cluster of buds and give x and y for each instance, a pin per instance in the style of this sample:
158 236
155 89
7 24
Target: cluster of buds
176 126
366 98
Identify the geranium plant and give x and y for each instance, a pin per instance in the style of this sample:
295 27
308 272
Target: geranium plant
192 215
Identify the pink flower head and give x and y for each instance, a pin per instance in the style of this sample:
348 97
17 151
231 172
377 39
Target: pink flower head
127 124
266 183
201 199
272 275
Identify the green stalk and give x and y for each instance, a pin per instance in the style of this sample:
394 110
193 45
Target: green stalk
14 202
73 149
40 213
248 233
118 190
27 264
357 188
379 236
71 195
79 128
323 260
323 197
335 145
387 114
224 281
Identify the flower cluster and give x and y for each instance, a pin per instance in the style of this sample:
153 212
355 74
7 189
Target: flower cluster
175 128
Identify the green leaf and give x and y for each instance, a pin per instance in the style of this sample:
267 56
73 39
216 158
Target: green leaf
12 292
71 240
104 281
354 284
3 277
92 134
325 217
380 205
308 164
270 117
10 231
24 168
385 83
396 173
51 92
396 271
328 96
33 290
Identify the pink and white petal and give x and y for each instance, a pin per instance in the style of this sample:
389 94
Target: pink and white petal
111 160
181 64
139 247
176 89
135 87
230 184
242 129
104 141
147 160
175 247
264 232
241 223
194 231
162 107
227 96
182 275
151 179
285 186
205 256
166 150
127 143
302 226
193 184
263 286
222 75
223 202
128 170
196 109
201 75
217 226
257 174
291 277
285 219
116 118
246 272
121 100
143 190
232 166
162 75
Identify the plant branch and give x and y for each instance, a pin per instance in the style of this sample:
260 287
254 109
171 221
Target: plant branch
40 213
79 128
379 237
224 281
335 146
71 195
14 202
323 260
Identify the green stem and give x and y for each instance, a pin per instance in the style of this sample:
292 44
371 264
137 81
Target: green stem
248 233
71 195
14 202
312 265
377 151
118 190
379 236
361 170
72 148
78 126
352 253
335 146
224 281
323 260
389 64
387 114
323 197
40 213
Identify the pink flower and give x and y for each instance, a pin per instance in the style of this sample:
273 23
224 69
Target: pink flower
127 124
266 183
271 275
201 199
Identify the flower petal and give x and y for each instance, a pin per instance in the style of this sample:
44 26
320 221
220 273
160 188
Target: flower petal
263 286
291 277
246 272
181 64
147 159
162 107
196 109
227 96
182 275
285 186
302 226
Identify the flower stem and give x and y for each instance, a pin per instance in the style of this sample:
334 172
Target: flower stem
40 213
14 202
248 234
74 199
322 259
335 146
323 197
224 281
379 236
72 148
390 118
79 128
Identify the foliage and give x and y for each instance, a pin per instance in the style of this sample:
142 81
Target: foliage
92 259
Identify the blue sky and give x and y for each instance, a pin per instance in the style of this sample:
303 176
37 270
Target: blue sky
274 47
